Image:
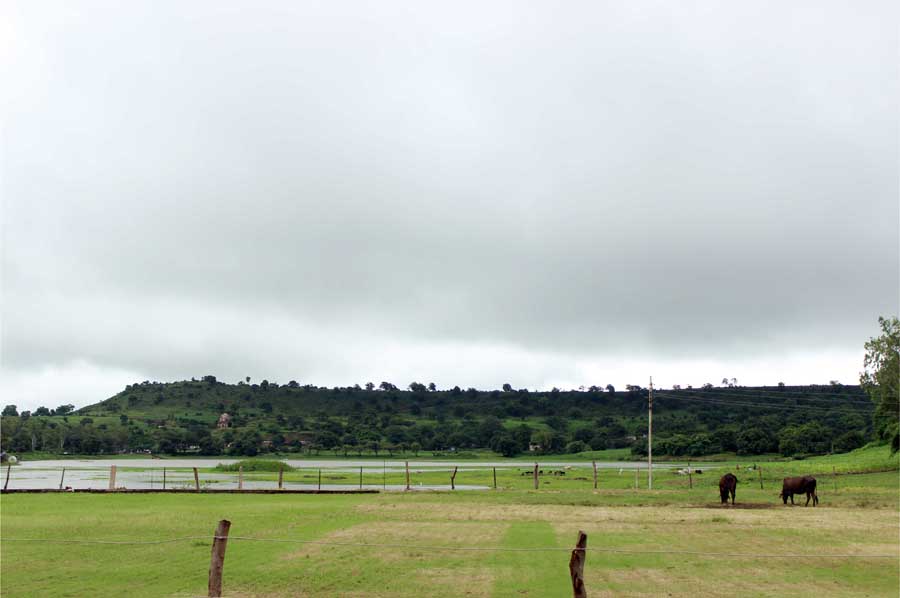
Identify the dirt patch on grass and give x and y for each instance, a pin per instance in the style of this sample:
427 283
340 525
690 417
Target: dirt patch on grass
465 581
626 518
740 505
404 540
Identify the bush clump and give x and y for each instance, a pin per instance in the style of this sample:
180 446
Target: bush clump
255 465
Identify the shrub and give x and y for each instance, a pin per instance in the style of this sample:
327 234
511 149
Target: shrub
255 465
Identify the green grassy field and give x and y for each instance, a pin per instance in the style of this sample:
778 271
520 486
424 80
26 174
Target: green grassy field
858 515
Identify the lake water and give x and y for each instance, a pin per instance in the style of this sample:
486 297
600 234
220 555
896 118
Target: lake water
336 474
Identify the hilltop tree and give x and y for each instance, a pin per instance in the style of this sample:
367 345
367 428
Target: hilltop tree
10 411
881 380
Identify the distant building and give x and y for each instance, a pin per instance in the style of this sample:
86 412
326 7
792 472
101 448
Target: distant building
224 421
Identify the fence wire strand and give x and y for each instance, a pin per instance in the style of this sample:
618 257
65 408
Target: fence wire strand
749 555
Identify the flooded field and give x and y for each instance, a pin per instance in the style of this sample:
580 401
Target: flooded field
330 474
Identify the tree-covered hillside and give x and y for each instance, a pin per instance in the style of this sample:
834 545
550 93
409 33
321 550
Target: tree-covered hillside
183 417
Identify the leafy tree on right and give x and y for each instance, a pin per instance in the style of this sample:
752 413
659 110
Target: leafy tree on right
881 380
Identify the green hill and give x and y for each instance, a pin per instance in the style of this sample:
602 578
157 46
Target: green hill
178 417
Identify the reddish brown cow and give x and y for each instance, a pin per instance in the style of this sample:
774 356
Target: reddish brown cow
727 485
799 485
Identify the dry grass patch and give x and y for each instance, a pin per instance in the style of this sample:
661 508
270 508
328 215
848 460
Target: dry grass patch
406 537
464 581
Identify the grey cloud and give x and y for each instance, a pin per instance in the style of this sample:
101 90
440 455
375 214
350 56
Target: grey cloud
591 180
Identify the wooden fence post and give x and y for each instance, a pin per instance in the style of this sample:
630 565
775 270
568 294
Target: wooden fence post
407 475
360 478
240 477
164 478
594 463
576 566
320 479
535 476
690 476
217 559
112 477
636 476
196 480
495 478
280 476
61 478
8 469
760 478
453 479
834 478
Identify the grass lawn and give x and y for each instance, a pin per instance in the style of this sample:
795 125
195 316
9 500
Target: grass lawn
861 518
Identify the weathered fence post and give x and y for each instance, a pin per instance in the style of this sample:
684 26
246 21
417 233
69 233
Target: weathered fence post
164 478
576 566
61 478
240 477
535 476
360 478
196 480
760 478
834 478
636 476
690 476
280 476
495 478
453 479
407 475
320 479
8 469
217 559
112 477
594 463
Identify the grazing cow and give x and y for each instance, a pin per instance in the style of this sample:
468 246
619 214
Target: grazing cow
727 485
801 485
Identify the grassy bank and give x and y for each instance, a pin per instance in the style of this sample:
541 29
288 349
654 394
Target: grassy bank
858 515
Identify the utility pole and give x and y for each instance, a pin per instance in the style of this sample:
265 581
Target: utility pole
650 438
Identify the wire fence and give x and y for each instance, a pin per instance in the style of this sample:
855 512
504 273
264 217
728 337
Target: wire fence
437 548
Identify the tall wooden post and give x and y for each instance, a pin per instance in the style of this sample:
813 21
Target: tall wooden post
240 477
690 476
495 478
164 478
112 477
407 475
576 566
535 476
217 559
834 478
196 480
636 477
320 479
453 479
360 478
594 463
8 469
760 478
281 477
650 438
61 478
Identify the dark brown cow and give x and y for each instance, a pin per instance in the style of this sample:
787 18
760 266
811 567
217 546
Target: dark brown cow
727 485
800 485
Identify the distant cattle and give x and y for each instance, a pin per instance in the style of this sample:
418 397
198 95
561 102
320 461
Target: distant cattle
727 485
800 485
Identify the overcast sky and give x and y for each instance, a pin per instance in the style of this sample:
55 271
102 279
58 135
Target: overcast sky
466 193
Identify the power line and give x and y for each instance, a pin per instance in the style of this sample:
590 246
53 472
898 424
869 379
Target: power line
453 548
